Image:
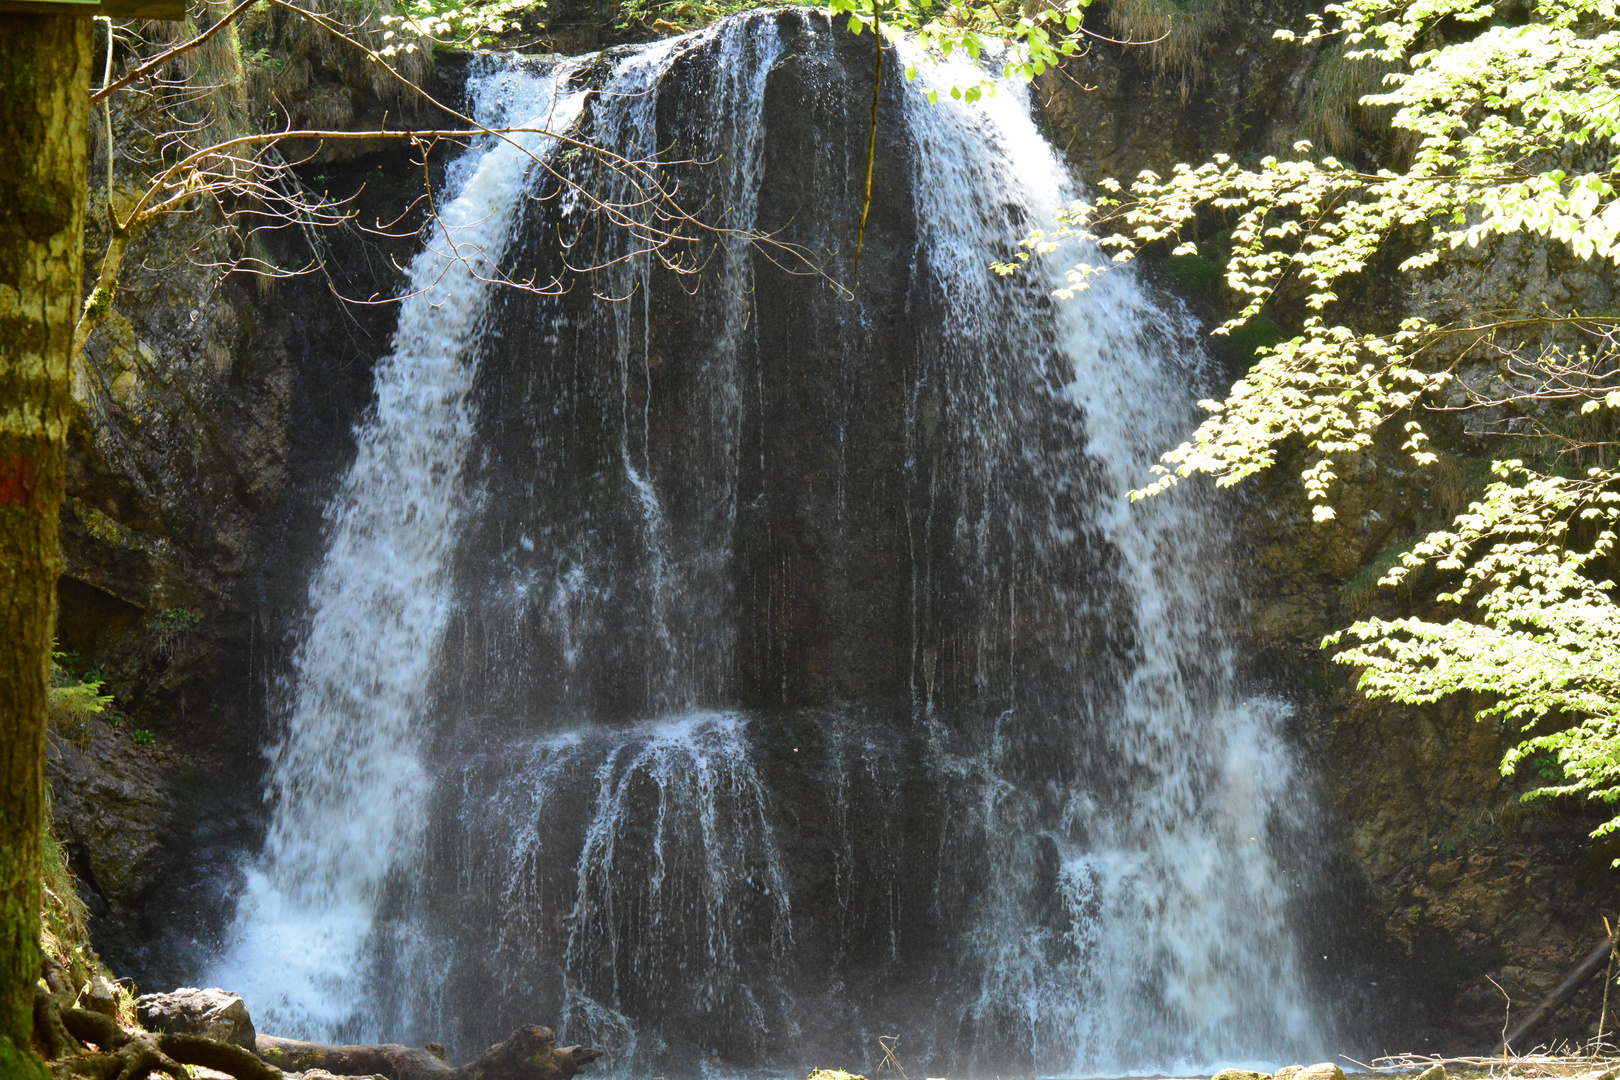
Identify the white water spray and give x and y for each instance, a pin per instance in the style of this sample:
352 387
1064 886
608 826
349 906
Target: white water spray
347 781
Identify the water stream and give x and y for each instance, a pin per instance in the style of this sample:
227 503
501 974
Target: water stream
727 673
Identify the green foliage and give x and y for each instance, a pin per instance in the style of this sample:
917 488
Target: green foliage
1025 39
1192 273
64 927
679 15
263 57
464 24
1546 768
1510 120
73 700
143 736
1336 119
172 629
1258 332
64 918
1363 586
178 620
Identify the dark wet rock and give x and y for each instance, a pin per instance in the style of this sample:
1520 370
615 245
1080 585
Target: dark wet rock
112 810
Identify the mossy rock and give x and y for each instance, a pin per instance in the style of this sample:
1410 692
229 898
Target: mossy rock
1191 273
1256 334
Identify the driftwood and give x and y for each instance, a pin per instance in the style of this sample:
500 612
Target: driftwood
529 1054
1565 991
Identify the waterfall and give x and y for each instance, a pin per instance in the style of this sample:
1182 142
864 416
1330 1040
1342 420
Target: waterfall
727 672
347 781
1175 907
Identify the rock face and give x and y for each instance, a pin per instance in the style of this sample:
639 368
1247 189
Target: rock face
1215 84
113 809
213 1014
193 502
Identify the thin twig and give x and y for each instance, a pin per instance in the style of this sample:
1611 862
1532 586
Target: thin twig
890 1061
163 58
871 147
1608 978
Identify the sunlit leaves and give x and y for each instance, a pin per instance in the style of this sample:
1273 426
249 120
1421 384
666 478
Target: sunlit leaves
1512 128
1025 40
464 25
1542 640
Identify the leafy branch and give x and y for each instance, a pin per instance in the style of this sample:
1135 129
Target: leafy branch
1513 128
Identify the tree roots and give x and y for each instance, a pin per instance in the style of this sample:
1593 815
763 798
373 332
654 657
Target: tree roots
67 1034
80 1043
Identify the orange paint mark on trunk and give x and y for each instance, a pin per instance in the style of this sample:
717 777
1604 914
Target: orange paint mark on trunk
17 476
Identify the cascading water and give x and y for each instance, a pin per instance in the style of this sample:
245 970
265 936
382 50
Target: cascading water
347 779
1176 948
728 672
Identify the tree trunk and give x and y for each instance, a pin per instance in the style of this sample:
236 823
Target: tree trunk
529 1054
45 63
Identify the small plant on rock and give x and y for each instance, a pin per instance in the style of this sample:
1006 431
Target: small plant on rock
173 628
74 699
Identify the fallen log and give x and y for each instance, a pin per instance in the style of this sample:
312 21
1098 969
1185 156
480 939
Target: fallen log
1566 990
86 1044
529 1054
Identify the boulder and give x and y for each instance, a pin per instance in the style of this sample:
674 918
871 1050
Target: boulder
1238 1074
100 996
113 811
213 1014
1325 1070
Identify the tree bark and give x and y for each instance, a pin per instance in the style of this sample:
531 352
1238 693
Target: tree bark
45 63
529 1054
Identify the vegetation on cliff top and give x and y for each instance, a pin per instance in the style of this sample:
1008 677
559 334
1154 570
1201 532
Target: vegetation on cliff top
1508 125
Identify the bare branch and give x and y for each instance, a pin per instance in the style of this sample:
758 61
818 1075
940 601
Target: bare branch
164 58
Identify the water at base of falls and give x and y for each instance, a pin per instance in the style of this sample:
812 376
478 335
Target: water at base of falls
733 673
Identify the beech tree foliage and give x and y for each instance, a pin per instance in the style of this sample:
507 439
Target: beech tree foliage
1505 117
1027 39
